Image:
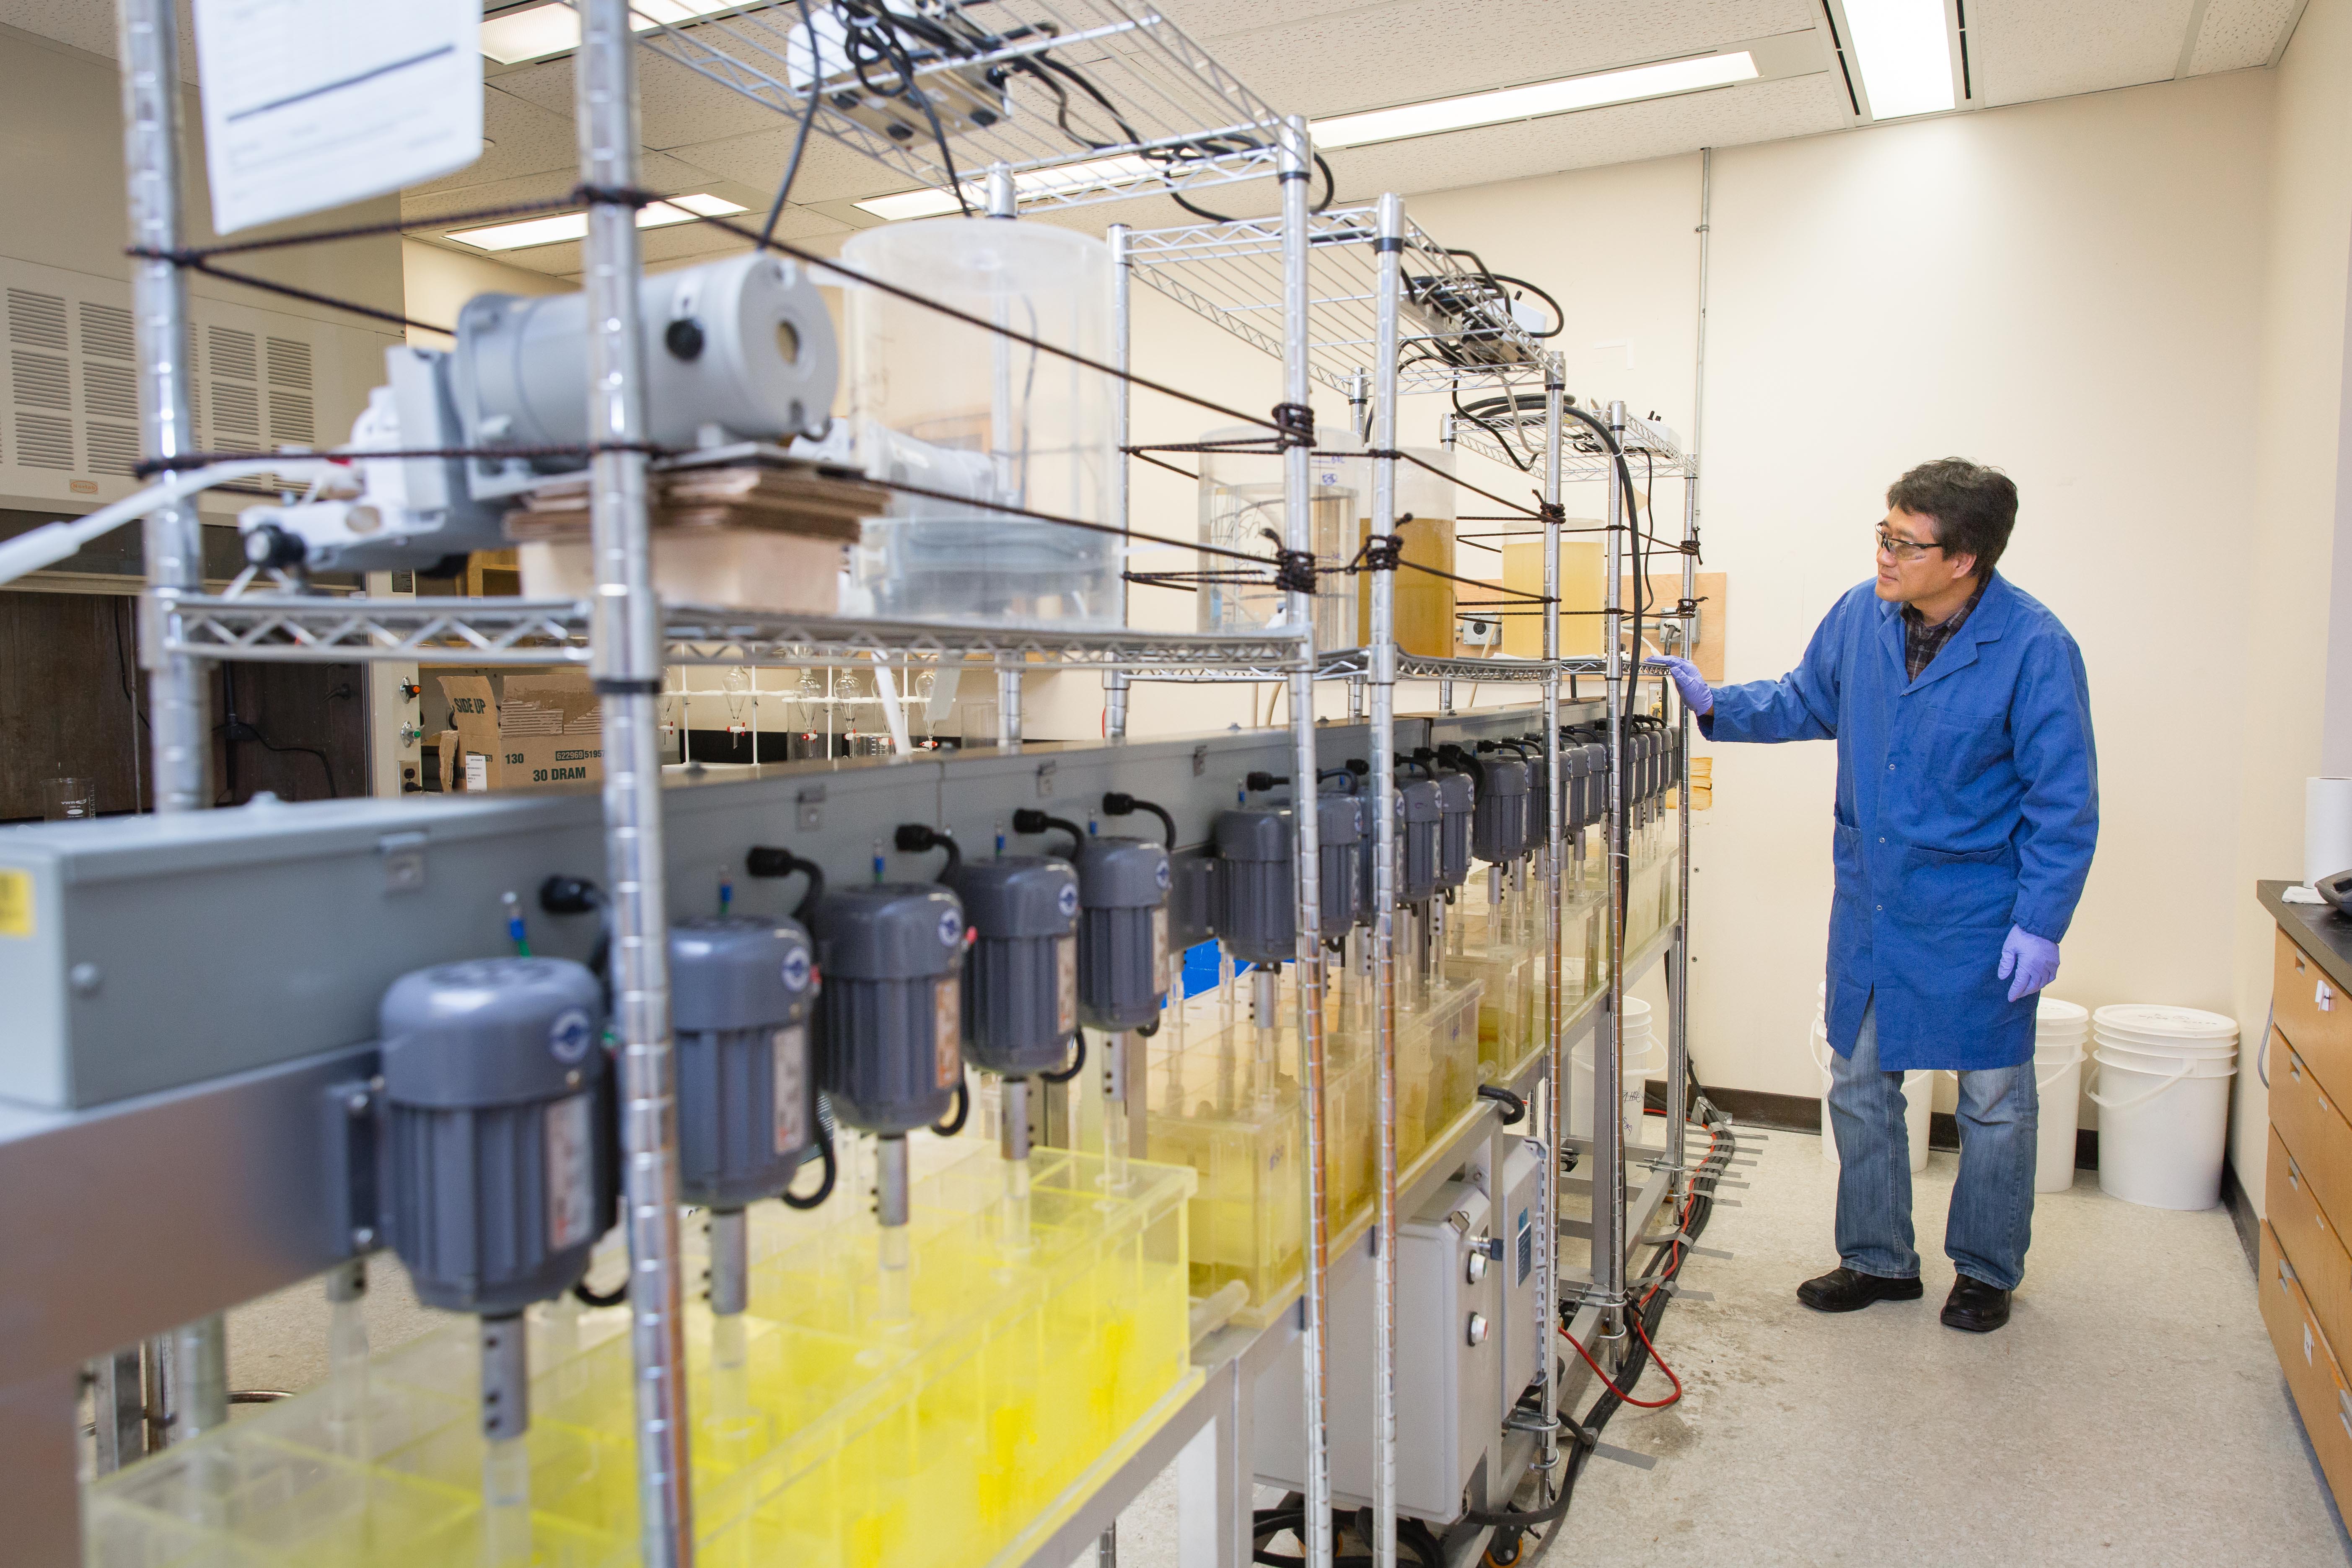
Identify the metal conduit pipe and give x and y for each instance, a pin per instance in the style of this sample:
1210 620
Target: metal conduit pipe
1607 1292
1678 1073
188 1379
1380 640
1298 535
626 660
1552 1127
1115 681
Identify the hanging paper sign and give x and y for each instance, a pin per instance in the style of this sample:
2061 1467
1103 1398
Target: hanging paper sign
310 104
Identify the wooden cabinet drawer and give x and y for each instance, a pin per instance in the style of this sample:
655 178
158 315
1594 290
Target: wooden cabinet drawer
2315 1015
2312 1128
2312 1245
2313 1374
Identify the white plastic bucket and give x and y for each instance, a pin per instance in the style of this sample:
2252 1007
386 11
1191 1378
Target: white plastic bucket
1919 1101
2164 1121
2058 1081
1640 1060
2057 1020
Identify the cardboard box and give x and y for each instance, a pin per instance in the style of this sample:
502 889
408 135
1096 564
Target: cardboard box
521 731
734 568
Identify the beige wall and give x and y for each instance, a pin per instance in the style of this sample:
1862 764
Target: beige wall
439 283
2051 287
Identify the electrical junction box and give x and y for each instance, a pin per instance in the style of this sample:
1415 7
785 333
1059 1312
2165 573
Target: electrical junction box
1449 1369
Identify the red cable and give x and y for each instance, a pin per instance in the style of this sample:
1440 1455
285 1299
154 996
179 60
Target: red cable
1635 1317
1621 1394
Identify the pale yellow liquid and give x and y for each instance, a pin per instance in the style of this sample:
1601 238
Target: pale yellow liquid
837 1440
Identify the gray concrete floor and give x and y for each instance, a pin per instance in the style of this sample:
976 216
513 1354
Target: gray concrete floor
2131 1412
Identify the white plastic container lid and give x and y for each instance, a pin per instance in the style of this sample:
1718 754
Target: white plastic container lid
2158 1021
2057 1020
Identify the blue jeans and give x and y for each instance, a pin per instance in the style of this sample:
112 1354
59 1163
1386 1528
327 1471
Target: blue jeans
1991 1221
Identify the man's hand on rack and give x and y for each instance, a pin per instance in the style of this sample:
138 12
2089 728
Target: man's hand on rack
1697 695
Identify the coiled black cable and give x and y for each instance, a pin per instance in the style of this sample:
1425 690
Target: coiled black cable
824 1153
1077 1063
954 1123
914 837
1118 803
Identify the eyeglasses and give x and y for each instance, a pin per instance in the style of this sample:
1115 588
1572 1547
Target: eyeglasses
1901 549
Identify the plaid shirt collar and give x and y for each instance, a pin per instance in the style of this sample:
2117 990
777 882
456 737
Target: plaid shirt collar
1922 642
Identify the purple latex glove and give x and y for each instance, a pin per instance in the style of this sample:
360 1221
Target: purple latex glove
1697 695
2035 960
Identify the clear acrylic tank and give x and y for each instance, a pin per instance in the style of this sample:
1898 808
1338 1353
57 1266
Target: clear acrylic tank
1425 603
961 410
1240 501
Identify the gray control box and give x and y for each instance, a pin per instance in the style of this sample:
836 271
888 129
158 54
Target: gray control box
139 954
1449 1357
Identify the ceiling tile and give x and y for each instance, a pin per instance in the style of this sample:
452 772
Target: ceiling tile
2236 33
1763 112
524 140
829 171
1406 52
1759 111
2019 50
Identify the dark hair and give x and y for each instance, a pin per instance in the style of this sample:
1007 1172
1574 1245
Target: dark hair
1974 507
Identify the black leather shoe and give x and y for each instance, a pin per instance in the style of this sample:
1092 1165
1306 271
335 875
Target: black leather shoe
1975 1306
1844 1290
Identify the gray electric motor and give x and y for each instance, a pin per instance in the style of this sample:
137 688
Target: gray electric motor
889 1052
1020 981
1578 789
1498 822
1258 899
1122 933
740 993
1539 795
497 1184
1420 824
743 345
1458 801
1596 785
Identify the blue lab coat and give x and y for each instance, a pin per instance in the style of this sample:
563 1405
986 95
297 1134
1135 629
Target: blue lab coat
1967 801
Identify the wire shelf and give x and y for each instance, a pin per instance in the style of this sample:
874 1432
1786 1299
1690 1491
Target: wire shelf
1229 274
1085 100
285 629
1582 459
1355 664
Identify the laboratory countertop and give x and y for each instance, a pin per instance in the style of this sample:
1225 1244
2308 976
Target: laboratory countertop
2316 929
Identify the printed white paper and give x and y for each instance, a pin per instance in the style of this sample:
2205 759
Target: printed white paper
311 104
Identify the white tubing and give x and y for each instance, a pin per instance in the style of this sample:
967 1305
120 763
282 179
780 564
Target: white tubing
52 542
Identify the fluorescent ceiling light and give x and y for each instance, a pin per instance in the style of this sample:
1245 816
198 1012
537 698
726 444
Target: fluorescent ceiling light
563 226
1095 173
1536 98
1904 54
926 202
535 31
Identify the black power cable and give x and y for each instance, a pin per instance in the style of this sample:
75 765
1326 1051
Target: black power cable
824 1153
808 122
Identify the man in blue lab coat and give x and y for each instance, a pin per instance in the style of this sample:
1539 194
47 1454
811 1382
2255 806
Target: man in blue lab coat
1967 807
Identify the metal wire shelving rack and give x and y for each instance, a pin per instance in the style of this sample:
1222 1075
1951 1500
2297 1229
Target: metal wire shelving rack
1350 299
1154 113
